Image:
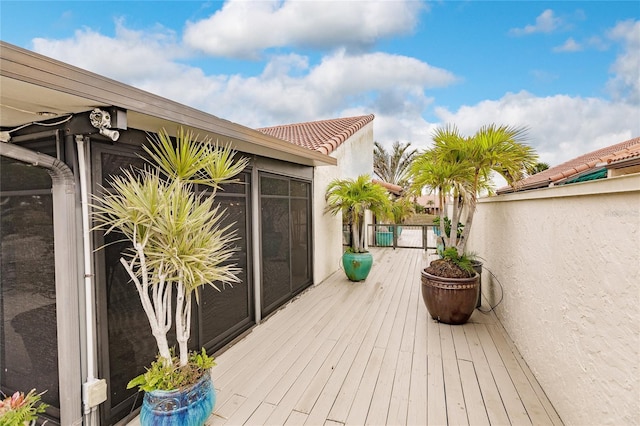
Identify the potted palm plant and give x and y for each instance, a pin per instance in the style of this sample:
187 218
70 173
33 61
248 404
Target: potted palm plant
459 169
177 246
352 198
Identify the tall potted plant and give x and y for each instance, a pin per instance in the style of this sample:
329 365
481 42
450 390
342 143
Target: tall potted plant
177 245
352 198
459 169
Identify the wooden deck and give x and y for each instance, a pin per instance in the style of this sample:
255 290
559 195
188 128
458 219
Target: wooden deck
368 353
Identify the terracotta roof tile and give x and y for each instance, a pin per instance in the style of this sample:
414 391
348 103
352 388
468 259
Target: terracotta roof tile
323 136
632 152
581 164
394 189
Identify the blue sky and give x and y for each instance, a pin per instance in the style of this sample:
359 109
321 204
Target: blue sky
568 70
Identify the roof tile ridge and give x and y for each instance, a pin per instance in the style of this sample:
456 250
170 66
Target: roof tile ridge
628 150
578 168
562 175
338 139
387 184
627 155
316 122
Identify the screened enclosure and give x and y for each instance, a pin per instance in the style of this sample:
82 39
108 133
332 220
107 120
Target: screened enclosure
28 335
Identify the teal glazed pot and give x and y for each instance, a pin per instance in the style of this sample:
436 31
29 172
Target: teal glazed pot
190 406
357 265
384 239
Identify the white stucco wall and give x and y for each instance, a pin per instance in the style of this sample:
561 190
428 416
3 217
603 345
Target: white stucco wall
355 157
569 261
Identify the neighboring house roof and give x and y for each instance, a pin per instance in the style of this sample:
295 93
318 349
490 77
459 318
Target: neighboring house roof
580 166
394 189
428 201
323 136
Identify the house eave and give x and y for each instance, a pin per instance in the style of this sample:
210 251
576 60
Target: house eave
29 81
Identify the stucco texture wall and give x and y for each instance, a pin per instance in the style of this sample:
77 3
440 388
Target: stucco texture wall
568 259
355 157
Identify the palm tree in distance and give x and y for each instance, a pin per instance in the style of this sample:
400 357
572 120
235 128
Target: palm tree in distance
392 167
539 167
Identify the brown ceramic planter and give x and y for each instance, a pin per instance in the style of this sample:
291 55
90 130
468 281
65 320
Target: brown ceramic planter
450 300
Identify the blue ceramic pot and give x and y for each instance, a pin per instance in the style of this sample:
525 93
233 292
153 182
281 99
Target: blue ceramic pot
190 406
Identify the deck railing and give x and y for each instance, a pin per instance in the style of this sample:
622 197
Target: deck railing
404 236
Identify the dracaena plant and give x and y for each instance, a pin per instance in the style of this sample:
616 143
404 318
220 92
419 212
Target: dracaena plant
178 242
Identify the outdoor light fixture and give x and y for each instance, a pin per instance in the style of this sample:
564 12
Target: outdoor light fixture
101 120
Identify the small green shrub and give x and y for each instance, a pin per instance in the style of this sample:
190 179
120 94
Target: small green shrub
162 376
462 261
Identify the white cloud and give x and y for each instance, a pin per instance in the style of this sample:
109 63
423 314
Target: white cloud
404 128
570 45
130 55
289 89
373 82
395 88
349 74
625 84
560 127
542 76
597 43
246 28
546 22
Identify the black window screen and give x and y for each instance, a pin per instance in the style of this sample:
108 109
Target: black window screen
285 232
129 345
28 334
226 313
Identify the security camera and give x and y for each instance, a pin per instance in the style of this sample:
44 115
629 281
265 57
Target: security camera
111 134
101 120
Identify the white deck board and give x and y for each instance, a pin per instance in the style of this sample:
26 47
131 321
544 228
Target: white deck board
508 393
369 353
490 394
456 407
474 404
417 408
436 400
295 418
